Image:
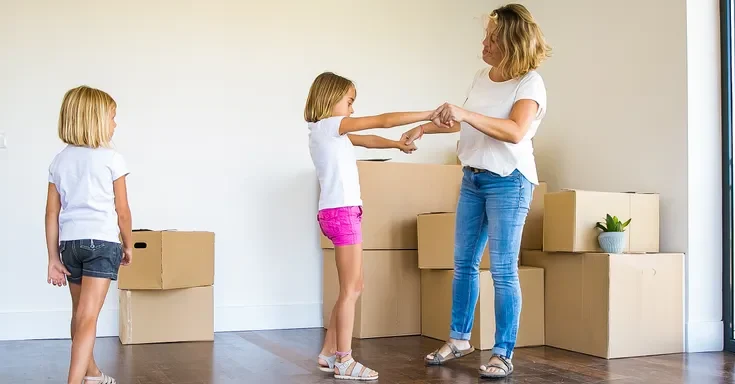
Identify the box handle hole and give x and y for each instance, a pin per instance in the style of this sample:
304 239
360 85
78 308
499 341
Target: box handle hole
140 246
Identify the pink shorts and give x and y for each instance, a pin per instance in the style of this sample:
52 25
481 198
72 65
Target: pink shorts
343 225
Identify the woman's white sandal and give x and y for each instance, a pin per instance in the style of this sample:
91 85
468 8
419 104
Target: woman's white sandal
102 379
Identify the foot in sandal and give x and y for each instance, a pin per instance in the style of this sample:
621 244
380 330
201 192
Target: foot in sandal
326 363
453 349
101 379
497 368
346 368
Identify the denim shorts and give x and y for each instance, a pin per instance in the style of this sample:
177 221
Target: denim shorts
92 258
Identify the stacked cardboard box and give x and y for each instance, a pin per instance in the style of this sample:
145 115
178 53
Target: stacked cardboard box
608 305
436 259
393 195
166 294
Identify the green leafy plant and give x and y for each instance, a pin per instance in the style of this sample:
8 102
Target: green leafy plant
612 224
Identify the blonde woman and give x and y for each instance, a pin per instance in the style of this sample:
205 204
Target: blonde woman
500 116
86 213
331 143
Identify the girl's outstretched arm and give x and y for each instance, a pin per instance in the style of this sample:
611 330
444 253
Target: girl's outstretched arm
378 142
385 120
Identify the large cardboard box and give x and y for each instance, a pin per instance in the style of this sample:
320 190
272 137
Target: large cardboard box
169 260
436 307
613 305
390 304
570 217
393 194
533 230
436 234
166 316
436 242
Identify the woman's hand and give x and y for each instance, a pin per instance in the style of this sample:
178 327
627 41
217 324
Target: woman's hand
450 113
57 273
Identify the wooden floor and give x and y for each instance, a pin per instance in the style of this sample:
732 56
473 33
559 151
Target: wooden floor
289 357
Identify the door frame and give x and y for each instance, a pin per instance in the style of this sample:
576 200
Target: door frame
726 54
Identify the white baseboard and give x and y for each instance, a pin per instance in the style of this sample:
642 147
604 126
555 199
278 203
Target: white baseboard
705 336
50 324
55 324
250 318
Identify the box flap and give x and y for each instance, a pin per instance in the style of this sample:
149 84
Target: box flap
587 190
437 213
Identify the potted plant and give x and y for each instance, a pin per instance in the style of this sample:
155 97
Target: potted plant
612 238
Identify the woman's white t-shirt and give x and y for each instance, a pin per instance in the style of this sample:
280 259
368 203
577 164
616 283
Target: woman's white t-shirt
83 177
493 99
336 165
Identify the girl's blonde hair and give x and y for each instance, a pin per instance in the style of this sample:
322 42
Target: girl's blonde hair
519 39
84 119
326 91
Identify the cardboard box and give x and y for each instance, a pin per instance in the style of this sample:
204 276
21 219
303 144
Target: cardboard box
390 304
533 230
436 235
436 307
166 316
436 242
393 194
169 260
613 305
570 217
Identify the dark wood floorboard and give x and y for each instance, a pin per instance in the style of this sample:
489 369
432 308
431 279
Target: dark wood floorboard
289 357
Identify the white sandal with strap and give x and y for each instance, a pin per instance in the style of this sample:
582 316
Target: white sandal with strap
357 371
102 379
330 363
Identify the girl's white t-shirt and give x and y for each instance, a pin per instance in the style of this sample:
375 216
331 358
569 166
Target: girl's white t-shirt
84 176
493 99
336 165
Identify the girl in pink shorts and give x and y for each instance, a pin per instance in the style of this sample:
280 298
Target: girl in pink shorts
328 110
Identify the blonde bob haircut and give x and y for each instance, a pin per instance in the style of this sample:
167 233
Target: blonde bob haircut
519 39
325 92
84 119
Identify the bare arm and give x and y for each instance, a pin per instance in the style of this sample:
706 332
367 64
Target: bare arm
53 208
372 141
510 130
431 128
124 218
415 133
386 120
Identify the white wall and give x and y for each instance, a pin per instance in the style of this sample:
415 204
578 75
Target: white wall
634 106
210 103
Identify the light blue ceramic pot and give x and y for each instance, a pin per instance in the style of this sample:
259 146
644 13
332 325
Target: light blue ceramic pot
612 242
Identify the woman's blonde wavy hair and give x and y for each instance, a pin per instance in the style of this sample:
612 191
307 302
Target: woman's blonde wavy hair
84 119
519 39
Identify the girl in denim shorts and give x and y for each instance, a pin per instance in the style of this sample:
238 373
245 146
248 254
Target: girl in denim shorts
328 111
86 214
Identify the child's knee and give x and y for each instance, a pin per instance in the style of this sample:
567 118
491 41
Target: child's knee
353 290
84 315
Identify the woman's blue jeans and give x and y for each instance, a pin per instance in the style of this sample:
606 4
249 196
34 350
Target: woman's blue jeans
491 208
